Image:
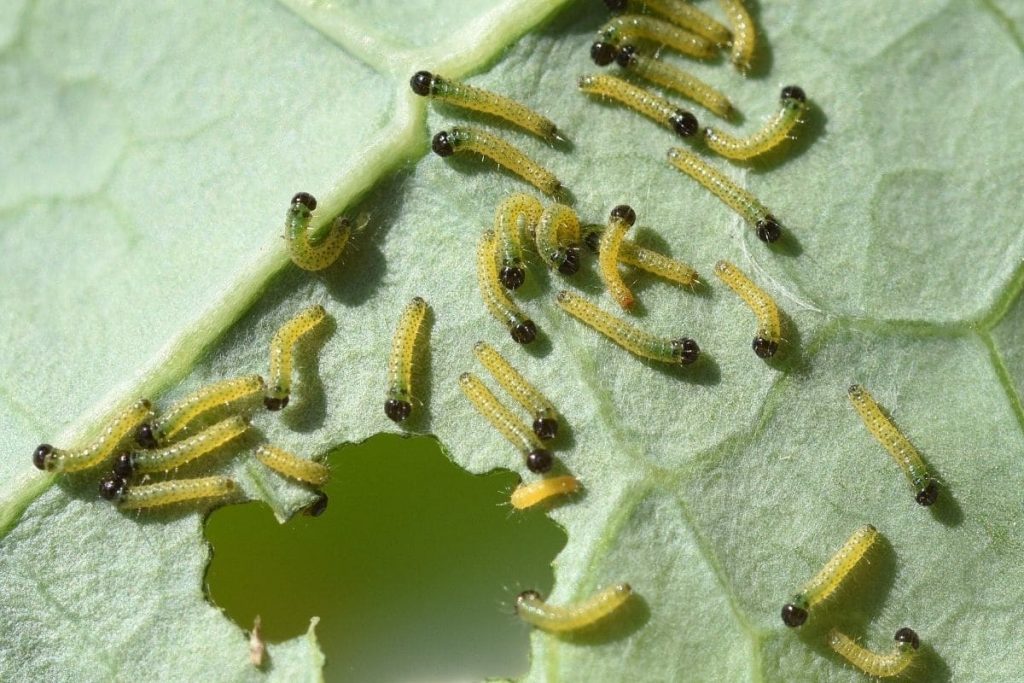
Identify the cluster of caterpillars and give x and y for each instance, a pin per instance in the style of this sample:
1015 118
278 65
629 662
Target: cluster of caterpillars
145 448
139 444
633 40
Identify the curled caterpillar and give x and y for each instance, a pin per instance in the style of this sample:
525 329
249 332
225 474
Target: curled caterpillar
774 131
880 665
508 233
521 328
313 250
620 220
558 236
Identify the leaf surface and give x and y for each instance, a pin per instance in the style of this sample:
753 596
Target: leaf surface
152 153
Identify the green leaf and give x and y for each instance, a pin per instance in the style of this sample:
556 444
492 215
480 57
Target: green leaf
150 153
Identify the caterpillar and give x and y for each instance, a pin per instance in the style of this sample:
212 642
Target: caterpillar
769 328
627 27
182 452
51 459
522 329
680 13
183 413
651 105
291 465
528 495
830 577
538 458
620 220
680 351
398 405
128 497
559 619
744 38
766 226
281 347
774 131
645 259
558 236
507 231
545 417
426 84
317 250
668 76
461 139
873 663
926 490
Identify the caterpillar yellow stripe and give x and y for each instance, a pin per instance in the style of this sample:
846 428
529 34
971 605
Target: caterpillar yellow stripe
793 104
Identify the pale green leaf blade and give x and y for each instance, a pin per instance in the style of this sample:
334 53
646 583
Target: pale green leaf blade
715 494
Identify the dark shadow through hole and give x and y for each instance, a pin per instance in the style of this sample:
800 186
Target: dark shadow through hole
412 568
